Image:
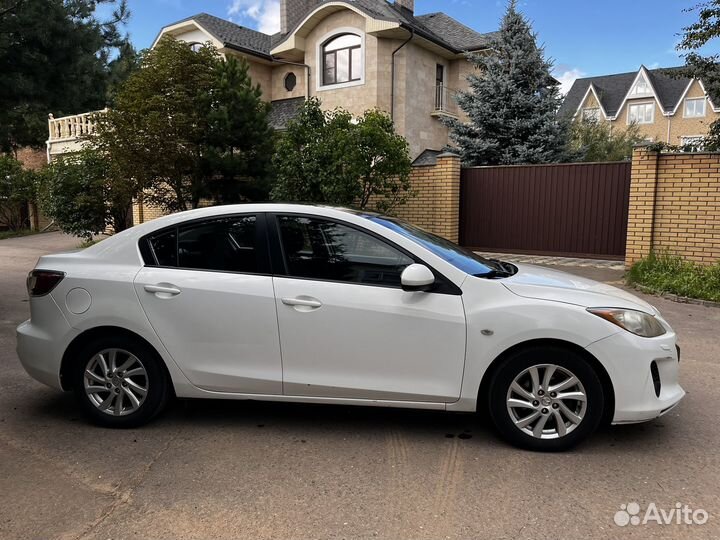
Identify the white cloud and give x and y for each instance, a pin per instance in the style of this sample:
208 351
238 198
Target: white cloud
264 15
567 78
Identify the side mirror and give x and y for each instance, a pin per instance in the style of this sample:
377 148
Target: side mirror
417 277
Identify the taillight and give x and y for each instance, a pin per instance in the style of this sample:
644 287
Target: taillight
41 282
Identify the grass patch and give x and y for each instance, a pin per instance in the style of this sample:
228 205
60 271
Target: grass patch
16 234
666 273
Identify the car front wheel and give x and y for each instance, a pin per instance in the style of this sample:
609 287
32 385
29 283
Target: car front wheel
546 399
119 382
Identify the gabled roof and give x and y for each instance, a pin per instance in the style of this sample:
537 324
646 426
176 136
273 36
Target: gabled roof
455 33
233 35
437 27
612 90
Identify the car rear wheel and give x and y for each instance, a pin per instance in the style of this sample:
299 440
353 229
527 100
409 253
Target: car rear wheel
546 399
120 382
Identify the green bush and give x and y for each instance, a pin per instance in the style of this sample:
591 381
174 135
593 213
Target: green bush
668 273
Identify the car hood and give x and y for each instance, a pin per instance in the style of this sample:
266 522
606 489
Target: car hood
546 284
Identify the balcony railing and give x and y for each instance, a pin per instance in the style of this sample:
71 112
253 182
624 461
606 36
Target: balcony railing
77 126
445 103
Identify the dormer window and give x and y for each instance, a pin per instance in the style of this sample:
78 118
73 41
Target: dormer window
342 59
641 88
694 108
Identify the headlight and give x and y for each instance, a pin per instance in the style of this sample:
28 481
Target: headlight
636 322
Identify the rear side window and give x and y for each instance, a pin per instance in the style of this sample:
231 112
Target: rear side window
224 245
163 248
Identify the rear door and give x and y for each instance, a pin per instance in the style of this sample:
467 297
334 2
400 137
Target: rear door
207 291
347 328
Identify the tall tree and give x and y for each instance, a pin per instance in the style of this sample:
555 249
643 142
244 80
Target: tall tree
53 58
331 157
238 156
596 140
512 102
189 126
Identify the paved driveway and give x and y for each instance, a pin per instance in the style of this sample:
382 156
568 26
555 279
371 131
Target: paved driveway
253 471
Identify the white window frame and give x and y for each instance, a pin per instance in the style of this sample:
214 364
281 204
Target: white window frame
643 104
591 113
695 101
642 79
319 56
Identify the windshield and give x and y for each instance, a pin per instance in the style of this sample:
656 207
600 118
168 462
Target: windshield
460 258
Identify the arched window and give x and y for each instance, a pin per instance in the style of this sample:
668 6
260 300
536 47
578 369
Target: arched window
342 59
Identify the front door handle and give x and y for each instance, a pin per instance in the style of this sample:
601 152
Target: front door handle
162 289
302 302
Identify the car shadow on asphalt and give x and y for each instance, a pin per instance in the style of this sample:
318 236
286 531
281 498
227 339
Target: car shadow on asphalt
300 421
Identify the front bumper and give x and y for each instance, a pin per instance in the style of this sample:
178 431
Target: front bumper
629 361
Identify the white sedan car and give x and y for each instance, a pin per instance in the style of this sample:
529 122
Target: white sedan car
320 305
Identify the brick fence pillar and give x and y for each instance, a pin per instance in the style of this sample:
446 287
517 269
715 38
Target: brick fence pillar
447 196
641 214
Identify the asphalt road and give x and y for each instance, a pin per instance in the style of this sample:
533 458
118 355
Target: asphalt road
253 471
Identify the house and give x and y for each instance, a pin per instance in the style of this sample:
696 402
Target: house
356 54
666 106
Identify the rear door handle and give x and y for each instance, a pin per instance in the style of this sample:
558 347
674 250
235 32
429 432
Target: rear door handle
302 302
162 289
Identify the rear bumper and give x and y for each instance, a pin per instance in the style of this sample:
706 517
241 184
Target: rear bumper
629 361
42 340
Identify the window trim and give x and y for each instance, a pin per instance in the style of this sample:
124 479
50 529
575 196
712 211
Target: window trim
596 110
261 237
320 59
630 105
443 285
695 99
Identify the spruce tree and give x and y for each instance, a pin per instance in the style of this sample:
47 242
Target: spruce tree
512 102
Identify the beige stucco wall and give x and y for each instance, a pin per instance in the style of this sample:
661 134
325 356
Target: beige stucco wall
668 129
278 82
358 98
415 99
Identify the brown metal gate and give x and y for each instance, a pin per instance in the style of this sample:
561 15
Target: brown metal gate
574 210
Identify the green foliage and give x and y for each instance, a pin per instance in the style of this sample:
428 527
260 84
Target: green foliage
17 188
240 141
54 57
666 273
189 125
512 103
83 194
593 141
4 235
333 158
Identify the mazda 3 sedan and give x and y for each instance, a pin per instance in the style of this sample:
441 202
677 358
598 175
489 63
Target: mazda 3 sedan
308 304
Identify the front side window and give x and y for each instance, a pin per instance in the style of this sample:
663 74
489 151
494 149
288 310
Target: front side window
342 59
693 143
694 108
641 113
642 87
326 250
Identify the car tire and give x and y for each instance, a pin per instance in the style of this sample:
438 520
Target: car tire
135 385
546 414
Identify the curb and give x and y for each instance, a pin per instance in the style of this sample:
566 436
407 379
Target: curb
675 297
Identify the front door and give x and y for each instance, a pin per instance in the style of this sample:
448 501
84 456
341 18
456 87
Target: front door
347 328
209 296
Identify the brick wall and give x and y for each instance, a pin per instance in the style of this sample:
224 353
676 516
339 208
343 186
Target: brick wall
674 205
436 205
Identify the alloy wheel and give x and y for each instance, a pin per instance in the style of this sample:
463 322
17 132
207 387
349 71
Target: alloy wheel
546 401
116 382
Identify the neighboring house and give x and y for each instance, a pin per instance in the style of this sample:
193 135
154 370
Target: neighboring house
356 54
666 108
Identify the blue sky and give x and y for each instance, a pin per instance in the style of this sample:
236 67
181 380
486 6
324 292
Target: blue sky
584 37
